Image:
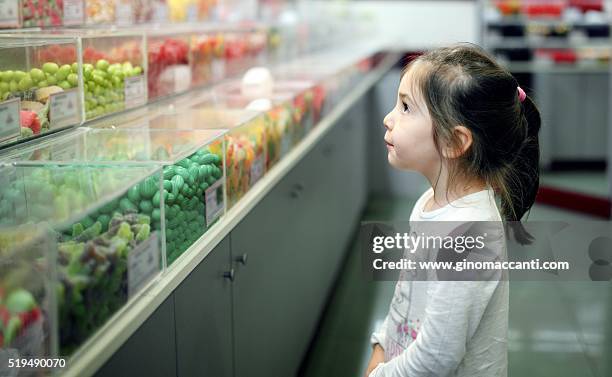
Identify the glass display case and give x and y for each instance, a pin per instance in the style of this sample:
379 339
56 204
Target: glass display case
244 48
245 140
192 10
114 67
207 57
289 108
40 85
169 67
27 270
32 13
193 175
100 12
71 222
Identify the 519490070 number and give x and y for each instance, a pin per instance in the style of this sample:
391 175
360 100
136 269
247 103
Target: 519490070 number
36 363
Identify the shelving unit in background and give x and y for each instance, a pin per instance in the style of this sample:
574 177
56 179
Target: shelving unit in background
560 51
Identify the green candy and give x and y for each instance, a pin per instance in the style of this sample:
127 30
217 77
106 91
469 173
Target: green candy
148 188
51 79
127 206
7 76
64 85
156 199
26 83
50 68
19 75
184 173
184 163
146 206
156 214
14 86
208 159
134 194
102 64
104 220
74 67
177 184
37 74
167 185
194 172
202 171
169 172
43 84
63 72
73 79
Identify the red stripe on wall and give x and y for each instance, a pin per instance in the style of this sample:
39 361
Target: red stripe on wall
573 201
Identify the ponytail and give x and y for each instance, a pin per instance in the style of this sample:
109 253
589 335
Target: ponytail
520 180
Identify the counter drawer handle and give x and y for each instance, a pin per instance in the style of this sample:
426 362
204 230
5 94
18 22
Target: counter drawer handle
229 274
242 259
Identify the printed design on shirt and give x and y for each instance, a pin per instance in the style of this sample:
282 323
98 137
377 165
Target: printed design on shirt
408 329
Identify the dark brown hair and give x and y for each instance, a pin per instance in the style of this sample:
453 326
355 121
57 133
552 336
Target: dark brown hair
463 85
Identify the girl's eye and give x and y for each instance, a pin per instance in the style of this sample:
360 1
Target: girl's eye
405 107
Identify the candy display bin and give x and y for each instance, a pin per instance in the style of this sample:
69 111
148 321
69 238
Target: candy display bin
193 174
169 69
207 57
40 85
100 12
105 253
244 48
245 140
27 298
289 109
114 67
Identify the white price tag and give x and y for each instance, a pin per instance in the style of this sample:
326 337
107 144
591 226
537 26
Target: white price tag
123 13
63 108
74 12
9 13
213 197
143 264
9 119
257 168
135 91
218 69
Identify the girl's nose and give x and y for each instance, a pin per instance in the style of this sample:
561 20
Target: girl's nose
388 122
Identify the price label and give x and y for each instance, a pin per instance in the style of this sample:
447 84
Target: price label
9 13
123 13
143 264
63 108
213 197
135 91
218 69
74 13
257 168
9 119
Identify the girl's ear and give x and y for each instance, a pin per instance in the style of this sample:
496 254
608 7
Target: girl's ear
461 142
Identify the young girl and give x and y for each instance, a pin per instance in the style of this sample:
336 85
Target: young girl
464 123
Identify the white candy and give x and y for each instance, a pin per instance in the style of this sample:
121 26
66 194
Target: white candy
257 82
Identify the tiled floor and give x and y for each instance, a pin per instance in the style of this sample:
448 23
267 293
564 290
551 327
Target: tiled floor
556 329
592 183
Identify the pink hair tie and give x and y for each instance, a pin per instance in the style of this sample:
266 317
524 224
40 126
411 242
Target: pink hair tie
521 94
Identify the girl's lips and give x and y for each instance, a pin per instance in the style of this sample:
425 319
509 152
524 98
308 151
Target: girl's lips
388 144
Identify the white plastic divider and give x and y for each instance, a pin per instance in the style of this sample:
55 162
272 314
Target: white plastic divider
107 340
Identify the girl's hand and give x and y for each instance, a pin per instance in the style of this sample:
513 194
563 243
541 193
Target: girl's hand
378 356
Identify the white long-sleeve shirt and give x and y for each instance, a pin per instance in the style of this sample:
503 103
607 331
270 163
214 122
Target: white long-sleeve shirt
448 328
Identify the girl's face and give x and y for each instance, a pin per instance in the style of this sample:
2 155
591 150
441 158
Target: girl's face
409 136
